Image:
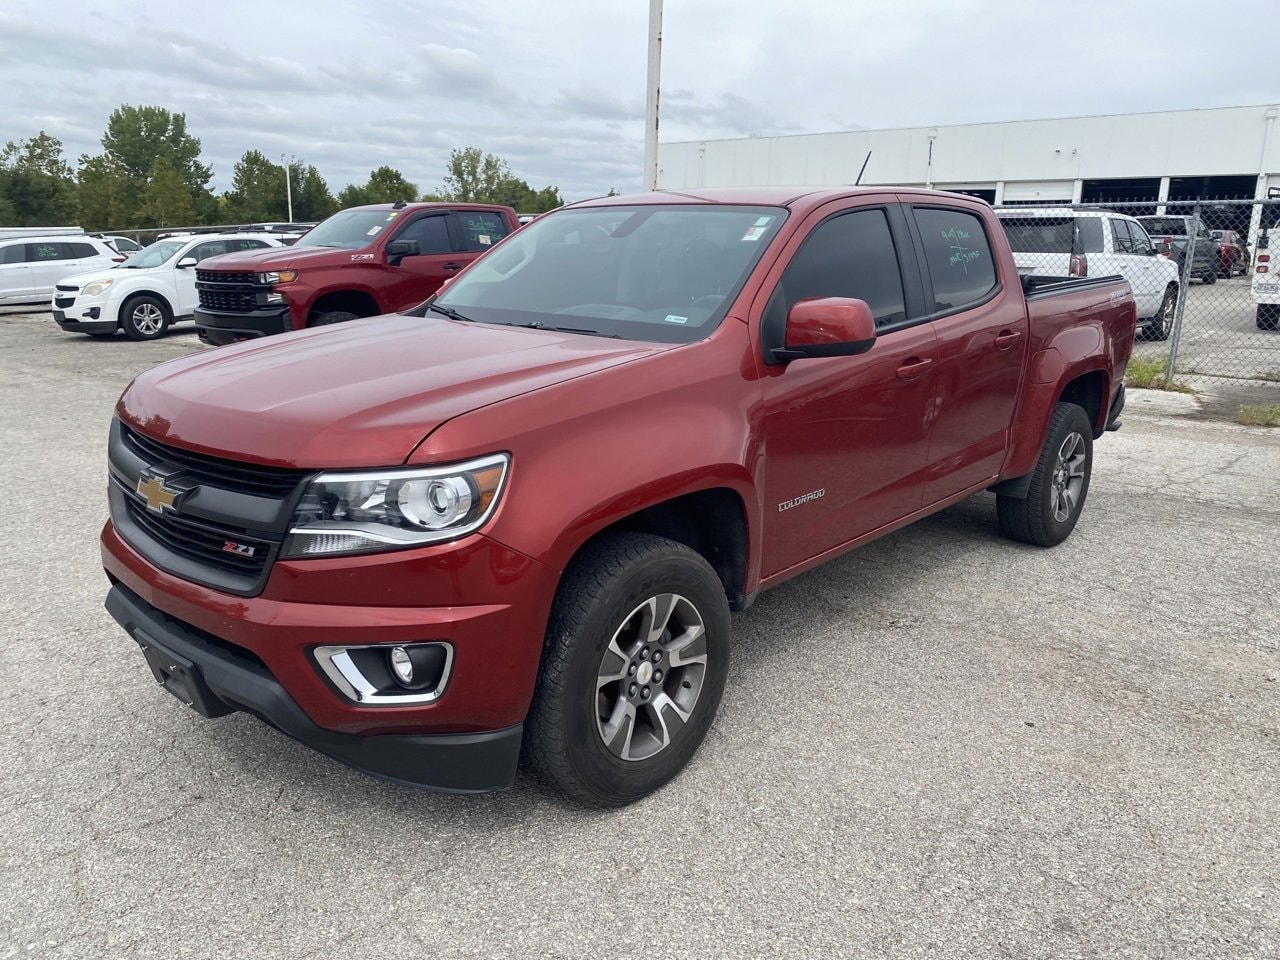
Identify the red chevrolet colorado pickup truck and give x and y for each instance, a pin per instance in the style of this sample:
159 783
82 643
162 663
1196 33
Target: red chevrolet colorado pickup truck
512 522
360 262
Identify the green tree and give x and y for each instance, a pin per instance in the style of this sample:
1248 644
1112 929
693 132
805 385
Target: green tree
311 197
106 194
137 136
388 185
478 177
352 196
257 189
37 186
166 198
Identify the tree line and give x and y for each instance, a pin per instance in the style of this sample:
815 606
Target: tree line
149 174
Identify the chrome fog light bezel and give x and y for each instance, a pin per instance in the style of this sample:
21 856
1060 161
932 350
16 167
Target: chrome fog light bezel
335 662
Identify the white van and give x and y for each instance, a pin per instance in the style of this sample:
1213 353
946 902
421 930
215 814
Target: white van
1064 242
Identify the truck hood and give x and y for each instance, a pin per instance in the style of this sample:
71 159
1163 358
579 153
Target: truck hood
359 394
280 258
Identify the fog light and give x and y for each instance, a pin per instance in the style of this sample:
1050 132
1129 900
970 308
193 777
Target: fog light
401 665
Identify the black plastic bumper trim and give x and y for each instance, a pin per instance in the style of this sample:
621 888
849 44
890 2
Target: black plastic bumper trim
225 328
447 763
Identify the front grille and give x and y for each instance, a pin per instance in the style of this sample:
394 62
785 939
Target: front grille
63 286
201 541
217 276
228 301
63 302
214 471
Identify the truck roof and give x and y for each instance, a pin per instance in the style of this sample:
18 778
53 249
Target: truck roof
806 196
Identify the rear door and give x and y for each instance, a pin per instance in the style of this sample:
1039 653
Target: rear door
1133 259
982 339
50 261
415 278
15 274
846 437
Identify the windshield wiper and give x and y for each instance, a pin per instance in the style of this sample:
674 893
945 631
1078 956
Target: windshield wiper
449 312
537 325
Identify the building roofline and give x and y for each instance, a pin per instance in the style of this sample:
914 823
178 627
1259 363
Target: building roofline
976 123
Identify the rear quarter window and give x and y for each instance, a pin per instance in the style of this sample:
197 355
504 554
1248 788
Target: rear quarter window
958 256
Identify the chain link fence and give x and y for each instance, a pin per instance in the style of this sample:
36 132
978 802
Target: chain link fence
1202 274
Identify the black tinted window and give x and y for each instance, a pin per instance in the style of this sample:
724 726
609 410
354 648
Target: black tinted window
13 253
431 233
958 256
40 252
478 230
212 248
79 251
245 244
1123 242
850 255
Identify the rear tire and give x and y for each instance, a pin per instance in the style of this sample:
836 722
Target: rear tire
634 613
1059 484
1268 316
1210 277
1161 325
331 317
145 317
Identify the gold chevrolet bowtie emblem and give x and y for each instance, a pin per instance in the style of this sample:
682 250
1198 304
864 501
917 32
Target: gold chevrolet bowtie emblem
159 497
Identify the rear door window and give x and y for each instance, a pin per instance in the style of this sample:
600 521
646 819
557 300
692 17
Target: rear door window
478 230
44 252
245 243
957 254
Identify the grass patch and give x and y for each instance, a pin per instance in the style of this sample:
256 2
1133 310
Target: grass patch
1273 376
1257 416
1147 373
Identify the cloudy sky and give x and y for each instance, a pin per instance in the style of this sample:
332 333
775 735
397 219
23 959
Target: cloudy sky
557 86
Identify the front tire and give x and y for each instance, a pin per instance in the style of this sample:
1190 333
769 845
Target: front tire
633 668
1059 485
144 317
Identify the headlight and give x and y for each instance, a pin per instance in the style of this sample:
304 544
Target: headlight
390 509
95 288
278 276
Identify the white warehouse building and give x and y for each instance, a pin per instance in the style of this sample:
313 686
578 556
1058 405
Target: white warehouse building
1170 159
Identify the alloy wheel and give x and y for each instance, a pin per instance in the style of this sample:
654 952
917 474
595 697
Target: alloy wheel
147 318
651 677
1068 477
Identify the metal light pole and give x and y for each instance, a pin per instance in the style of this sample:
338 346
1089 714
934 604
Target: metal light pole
651 96
288 186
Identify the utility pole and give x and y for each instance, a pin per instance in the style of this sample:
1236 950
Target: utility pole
651 96
288 186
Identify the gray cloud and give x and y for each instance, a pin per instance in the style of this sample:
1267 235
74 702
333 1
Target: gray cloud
557 88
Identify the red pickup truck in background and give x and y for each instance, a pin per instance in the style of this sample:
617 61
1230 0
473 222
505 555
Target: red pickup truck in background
360 262
513 521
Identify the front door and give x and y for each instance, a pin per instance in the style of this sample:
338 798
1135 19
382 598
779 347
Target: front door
846 437
15 274
418 277
1136 262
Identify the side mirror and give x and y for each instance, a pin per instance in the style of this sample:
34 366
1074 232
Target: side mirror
827 327
187 262
397 249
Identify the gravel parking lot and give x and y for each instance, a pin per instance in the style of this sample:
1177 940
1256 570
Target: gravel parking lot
942 745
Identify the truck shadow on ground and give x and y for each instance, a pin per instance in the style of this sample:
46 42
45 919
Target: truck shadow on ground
883 575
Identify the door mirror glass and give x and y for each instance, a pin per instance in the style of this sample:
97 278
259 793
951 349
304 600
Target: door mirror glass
186 263
828 327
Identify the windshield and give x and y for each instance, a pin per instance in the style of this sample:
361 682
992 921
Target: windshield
349 229
661 273
159 252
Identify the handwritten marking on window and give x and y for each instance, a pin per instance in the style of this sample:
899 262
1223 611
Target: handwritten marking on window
961 254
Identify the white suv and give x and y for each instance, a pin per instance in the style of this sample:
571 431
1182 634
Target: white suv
152 289
30 266
1065 242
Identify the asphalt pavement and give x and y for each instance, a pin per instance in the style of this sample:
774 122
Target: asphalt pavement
942 745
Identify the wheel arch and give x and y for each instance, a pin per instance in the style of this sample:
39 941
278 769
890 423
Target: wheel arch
127 298
351 299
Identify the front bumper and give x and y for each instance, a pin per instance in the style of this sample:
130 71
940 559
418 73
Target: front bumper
84 317
216 679
220 329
